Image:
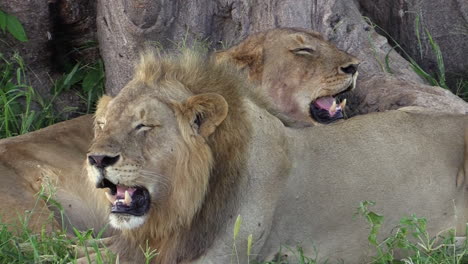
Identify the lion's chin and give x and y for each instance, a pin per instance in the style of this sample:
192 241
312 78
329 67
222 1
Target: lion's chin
124 221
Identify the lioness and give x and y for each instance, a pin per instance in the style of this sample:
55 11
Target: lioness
185 148
299 73
48 158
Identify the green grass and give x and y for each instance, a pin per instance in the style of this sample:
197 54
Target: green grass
25 110
19 244
410 236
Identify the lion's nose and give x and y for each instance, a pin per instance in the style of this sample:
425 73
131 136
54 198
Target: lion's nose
102 161
350 69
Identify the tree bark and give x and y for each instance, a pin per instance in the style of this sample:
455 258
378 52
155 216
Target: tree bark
446 21
59 35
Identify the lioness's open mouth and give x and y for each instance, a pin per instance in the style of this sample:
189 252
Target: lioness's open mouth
127 200
326 109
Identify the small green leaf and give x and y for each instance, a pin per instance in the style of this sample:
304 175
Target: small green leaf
376 219
64 83
3 21
14 26
92 78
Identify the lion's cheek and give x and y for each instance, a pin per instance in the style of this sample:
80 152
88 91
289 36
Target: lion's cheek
93 174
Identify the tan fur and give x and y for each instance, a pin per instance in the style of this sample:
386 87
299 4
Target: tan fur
52 159
292 79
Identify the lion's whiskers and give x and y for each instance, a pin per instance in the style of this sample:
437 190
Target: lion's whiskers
160 180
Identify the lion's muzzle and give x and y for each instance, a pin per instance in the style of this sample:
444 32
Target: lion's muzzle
102 161
325 109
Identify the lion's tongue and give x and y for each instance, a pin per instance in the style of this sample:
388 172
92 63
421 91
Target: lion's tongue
326 103
121 191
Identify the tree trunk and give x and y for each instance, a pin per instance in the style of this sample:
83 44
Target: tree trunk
59 34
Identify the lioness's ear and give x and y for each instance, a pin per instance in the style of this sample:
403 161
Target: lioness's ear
246 55
205 112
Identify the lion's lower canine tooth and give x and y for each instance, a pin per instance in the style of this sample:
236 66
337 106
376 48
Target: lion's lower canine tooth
333 107
110 197
343 104
128 199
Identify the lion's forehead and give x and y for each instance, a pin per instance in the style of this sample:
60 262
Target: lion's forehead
144 107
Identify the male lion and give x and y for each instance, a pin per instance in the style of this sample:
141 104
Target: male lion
185 148
299 72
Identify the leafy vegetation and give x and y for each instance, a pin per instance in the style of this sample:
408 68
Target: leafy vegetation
410 237
12 25
25 110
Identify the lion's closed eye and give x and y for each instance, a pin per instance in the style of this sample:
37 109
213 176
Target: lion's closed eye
140 126
145 127
303 51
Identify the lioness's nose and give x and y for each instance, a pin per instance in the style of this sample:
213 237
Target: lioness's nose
350 68
102 161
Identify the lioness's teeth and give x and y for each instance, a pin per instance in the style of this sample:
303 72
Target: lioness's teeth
354 79
333 107
110 197
343 103
128 199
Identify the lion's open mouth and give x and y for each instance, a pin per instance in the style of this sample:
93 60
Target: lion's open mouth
127 200
326 109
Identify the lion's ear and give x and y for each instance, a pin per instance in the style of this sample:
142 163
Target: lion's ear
205 112
246 55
